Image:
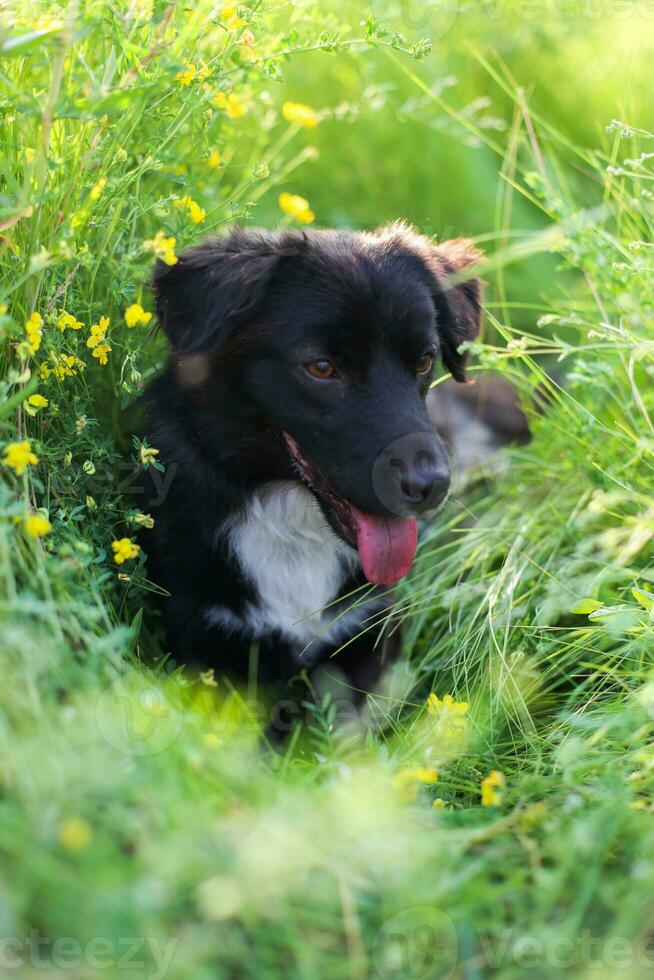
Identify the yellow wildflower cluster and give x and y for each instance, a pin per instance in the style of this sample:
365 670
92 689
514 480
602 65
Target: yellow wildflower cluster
63 366
148 455
409 780
163 248
231 103
303 115
491 789
37 525
35 403
446 705
207 677
195 212
34 331
450 715
18 456
68 320
74 834
135 315
98 188
191 72
144 520
297 207
97 340
231 19
124 549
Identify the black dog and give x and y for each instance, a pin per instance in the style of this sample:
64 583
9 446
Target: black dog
291 421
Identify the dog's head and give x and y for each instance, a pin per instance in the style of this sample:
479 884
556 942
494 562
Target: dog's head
327 342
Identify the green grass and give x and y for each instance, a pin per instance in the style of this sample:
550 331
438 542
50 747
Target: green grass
141 821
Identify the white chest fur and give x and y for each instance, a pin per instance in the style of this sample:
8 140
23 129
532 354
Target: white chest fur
296 565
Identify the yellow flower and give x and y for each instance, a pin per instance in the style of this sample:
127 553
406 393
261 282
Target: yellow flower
34 330
101 352
29 154
19 455
3 309
491 789
74 834
37 401
186 77
98 332
208 679
196 213
409 780
232 20
436 706
37 525
135 314
124 549
144 520
439 804
64 365
297 207
163 248
204 72
303 115
98 188
148 455
68 320
214 160
44 372
231 103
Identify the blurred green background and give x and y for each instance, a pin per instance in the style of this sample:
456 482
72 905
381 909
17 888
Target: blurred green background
392 151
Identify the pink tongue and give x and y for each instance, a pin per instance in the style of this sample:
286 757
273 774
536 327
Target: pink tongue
386 546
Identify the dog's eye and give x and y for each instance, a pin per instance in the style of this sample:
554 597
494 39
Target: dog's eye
425 364
321 369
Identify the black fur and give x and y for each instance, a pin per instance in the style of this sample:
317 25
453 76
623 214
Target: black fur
243 313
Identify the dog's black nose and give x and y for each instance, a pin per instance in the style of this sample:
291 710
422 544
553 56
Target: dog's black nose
412 474
427 482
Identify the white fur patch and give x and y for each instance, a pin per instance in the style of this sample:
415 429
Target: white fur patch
297 566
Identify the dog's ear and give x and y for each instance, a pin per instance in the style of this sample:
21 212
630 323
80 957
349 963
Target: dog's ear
457 295
212 289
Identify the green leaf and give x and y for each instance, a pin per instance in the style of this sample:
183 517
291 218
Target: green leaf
645 599
604 612
135 625
21 44
586 606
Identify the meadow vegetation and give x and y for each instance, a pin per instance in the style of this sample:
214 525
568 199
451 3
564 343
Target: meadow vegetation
496 814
